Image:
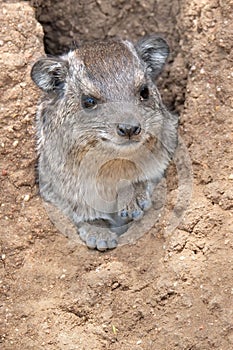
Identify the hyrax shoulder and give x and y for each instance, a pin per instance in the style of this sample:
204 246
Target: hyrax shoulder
104 135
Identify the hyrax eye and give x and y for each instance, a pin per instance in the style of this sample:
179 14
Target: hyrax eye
89 102
144 93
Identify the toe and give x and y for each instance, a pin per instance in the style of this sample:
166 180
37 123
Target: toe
102 245
82 234
124 213
137 214
112 243
91 242
144 204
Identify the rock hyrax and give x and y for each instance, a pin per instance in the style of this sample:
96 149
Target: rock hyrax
104 136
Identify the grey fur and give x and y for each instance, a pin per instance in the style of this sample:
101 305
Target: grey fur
101 179
154 51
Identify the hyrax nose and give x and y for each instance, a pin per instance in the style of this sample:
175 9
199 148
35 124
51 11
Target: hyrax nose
128 130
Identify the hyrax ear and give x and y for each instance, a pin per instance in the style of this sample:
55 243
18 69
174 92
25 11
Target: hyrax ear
49 73
154 51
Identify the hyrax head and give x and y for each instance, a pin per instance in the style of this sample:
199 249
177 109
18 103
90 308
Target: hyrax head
105 89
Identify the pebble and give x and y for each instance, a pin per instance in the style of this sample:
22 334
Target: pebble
15 143
182 257
26 197
4 172
193 68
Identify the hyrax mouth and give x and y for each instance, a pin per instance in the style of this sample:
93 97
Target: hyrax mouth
147 141
131 143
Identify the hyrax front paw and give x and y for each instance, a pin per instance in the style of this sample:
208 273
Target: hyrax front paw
132 211
97 237
135 207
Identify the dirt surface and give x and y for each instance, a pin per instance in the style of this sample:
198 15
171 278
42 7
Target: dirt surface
165 292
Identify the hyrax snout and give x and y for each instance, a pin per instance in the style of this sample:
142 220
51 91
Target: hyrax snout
104 136
127 130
